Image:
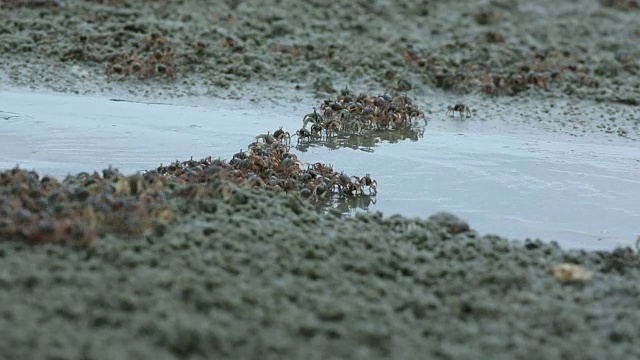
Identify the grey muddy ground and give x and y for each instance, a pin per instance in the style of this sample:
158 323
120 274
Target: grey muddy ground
584 54
265 276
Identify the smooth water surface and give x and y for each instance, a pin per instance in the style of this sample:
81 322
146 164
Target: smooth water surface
583 193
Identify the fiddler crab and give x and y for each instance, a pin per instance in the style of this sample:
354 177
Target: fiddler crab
368 182
354 185
303 134
266 138
318 124
282 135
461 108
313 118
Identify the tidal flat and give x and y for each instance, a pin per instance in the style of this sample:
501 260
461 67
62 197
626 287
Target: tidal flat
462 254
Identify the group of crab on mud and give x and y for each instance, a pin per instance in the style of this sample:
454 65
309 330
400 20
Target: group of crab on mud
353 114
268 163
347 114
85 206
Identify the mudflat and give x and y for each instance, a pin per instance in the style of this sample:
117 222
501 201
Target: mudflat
251 273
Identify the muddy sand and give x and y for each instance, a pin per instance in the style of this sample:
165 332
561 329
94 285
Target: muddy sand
260 275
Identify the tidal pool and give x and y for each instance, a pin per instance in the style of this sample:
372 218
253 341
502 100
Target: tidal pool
582 192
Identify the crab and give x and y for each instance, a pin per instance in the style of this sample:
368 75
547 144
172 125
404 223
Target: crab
344 115
266 138
415 113
346 95
330 108
461 108
333 126
313 117
355 108
316 129
352 189
396 117
367 181
340 181
240 155
254 180
282 135
319 190
303 134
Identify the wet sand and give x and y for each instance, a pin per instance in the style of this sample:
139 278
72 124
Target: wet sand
264 275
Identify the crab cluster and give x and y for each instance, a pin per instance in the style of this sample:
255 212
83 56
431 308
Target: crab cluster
537 70
154 58
355 114
322 182
153 55
80 207
268 163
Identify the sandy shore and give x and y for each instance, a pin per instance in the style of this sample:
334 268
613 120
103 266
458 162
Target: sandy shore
265 276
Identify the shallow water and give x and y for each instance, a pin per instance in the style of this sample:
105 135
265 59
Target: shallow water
531 183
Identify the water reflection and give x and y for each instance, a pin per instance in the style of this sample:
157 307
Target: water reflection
351 205
365 141
346 205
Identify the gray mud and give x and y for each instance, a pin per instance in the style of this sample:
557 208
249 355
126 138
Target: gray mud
260 277
585 50
264 276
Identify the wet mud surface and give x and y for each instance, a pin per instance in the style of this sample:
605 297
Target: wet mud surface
257 274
